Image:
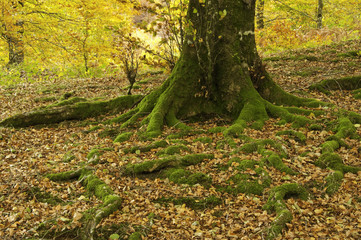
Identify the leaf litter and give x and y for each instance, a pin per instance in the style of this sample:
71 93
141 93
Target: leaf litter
28 154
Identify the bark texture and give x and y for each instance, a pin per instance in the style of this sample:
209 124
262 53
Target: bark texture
219 71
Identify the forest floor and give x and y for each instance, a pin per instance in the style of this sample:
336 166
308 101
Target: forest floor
33 207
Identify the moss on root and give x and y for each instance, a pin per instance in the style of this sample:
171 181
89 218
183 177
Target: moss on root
171 150
275 161
76 111
135 236
159 164
333 182
243 182
181 176
260 145
123 137
300 137
347 83
153 145
100 189
276 204
334 161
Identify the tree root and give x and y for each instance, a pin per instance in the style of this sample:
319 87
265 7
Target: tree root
346 83
76 111
246 183
100 189
172 161
275 203
332 160
270 158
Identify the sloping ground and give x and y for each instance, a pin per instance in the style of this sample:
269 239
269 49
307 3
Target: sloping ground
32 206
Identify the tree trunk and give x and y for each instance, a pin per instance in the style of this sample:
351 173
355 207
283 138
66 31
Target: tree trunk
219 71
14 40
260 14
319 14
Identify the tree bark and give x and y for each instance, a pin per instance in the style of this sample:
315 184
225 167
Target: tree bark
14 39
260 14
319 14
219 71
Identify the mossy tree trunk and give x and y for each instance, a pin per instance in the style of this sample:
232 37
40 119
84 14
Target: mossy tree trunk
219 71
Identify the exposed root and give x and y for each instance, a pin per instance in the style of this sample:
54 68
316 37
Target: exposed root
246 183
172 161
275 203
332 160
100 189
70 111
347 83
270 158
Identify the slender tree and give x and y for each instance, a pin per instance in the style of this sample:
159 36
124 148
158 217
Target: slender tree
319 14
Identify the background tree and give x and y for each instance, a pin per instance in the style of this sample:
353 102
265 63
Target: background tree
319 14
12 30
260 14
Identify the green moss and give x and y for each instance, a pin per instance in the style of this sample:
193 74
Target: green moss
216 129
258 125
68 156
171 150
246 183
69 101
345 128
151 166
171 161
331 160
154 145
135 236
92 129
199 178
64 176
315 127
203 140
178 135
276 203
275 161
354 117
346 83
330 146
302 111
123 137
177 175
43 196
333 182
281 122
178 141
76 111
193 159
300 137
93 155
260 146
283 113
